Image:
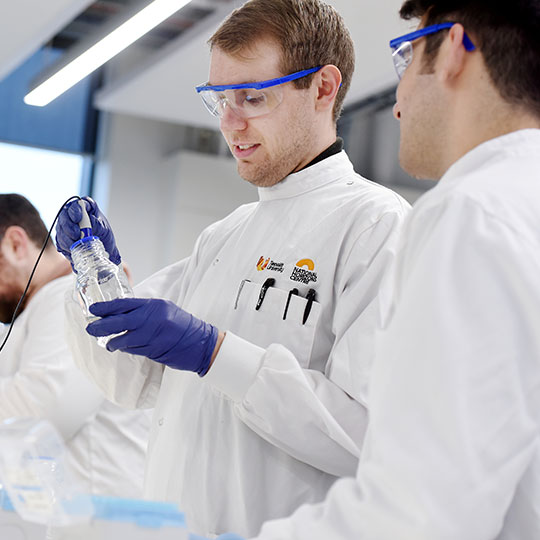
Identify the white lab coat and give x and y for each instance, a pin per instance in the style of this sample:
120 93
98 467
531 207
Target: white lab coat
282 412
106 445
453 447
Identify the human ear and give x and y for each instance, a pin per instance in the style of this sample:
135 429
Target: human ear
15 244
452 55
328 81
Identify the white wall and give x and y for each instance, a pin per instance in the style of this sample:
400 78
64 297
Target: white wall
158 200
206 188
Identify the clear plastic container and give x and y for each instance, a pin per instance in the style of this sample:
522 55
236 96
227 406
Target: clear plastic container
98 279
33 471
39 500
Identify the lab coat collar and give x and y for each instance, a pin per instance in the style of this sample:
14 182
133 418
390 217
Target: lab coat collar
326 171
518 143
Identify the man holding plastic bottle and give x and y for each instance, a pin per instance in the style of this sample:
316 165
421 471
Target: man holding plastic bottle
258 371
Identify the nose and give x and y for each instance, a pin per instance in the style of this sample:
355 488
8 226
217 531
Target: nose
396 112
231 121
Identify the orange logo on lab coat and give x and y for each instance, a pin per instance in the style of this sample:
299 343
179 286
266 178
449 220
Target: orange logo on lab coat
262 264
304 271
308 263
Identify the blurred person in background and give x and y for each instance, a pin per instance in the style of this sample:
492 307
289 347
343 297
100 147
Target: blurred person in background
106 445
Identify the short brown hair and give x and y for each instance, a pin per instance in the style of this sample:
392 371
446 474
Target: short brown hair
310 33
18 210
506 33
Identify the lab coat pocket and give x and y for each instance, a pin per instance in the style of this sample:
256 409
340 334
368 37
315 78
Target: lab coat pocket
267 325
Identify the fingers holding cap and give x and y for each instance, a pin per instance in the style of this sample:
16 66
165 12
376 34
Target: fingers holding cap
74 211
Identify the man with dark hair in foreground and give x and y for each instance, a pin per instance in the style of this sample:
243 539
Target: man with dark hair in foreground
452 450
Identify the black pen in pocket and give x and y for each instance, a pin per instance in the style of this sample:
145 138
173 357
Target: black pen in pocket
291 292
266 285
310 297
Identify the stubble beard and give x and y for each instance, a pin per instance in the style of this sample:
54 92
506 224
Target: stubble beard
270 172
299 137
421 156
422 142
8 304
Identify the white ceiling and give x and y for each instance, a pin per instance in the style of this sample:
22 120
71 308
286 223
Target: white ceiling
162 86
25 25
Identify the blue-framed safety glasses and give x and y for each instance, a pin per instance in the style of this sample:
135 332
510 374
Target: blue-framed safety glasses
402 48
248 99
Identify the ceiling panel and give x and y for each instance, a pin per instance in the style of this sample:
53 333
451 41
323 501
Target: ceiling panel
163 87
159 84
25 25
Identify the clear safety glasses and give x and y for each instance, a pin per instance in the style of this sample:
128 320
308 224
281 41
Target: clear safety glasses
402 49
248 100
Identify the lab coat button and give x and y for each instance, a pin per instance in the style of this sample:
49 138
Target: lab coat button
160 421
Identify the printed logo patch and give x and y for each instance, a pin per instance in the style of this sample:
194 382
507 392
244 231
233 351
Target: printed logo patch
268 264
304 272
262 264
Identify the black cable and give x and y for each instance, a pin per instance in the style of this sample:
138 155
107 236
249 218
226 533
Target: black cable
33 272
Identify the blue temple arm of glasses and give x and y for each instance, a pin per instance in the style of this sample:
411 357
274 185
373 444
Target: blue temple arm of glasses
259 85
411 36
467 43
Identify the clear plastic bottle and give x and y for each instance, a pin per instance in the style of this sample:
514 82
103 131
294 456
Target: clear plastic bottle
98 279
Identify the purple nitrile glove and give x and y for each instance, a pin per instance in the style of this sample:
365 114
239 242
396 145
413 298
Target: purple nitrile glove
157 329
68 230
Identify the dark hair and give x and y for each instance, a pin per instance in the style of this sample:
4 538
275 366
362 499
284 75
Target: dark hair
17 210
310 33
506 33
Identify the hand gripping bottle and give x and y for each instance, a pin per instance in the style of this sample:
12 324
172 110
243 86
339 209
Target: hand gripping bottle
98 279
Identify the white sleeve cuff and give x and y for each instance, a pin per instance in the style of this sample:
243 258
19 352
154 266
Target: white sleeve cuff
235 366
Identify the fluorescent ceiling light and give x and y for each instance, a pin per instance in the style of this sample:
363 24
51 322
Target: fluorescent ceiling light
103 50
